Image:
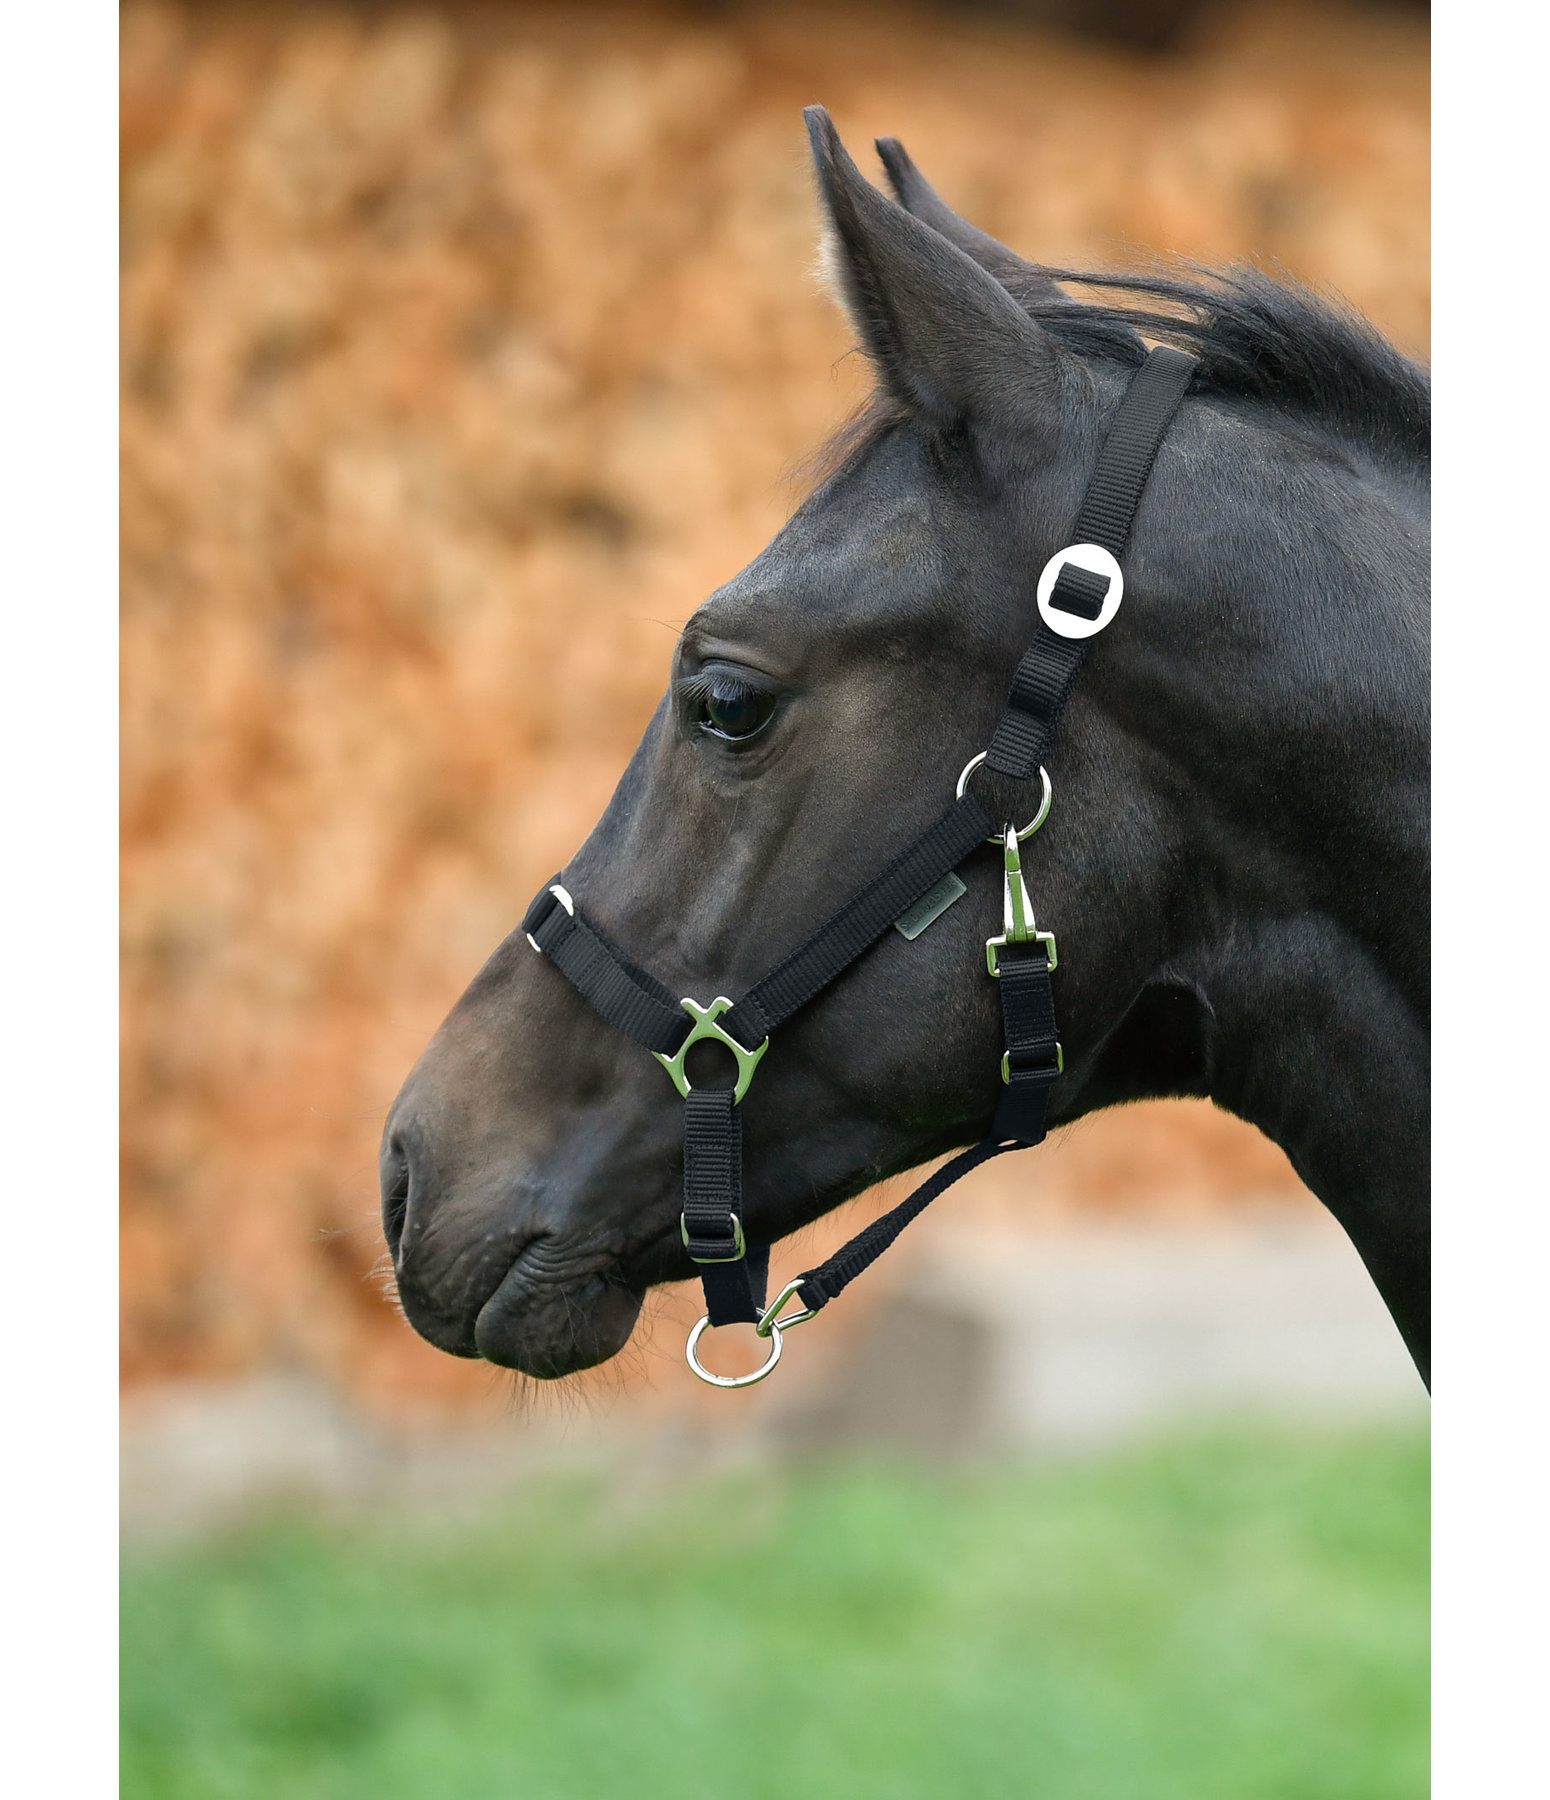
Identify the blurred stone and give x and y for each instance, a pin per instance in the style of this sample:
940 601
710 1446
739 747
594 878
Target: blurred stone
1081 1339
987 1343
209 1453
204 1456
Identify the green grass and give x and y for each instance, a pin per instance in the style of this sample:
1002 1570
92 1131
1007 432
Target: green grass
1239 1618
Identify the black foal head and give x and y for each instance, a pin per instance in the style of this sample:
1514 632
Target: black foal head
820 706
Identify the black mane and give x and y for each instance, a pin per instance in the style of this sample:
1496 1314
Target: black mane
1257 338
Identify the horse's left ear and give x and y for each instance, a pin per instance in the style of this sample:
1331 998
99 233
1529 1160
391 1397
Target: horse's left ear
948 340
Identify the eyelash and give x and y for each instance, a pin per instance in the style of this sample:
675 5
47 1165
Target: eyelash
697 691
703 685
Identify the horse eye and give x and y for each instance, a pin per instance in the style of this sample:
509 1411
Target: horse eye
730 709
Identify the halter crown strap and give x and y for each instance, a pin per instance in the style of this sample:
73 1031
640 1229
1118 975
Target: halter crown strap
1084 584
1046 674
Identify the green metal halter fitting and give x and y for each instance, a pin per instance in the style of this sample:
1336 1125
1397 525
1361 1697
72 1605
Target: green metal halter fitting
705 1026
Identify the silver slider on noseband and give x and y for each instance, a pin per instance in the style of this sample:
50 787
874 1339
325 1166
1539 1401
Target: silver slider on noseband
737 1244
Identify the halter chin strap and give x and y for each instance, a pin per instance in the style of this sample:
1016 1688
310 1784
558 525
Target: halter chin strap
1079 593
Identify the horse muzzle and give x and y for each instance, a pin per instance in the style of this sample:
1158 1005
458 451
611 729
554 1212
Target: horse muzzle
498 1270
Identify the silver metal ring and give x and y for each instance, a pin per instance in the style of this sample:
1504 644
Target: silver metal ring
1044 803
731 1381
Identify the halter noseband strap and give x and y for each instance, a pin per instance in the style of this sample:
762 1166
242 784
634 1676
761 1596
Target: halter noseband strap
1079 593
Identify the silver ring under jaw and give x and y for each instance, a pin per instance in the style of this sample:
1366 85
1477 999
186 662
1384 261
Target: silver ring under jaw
769 1326
732 1381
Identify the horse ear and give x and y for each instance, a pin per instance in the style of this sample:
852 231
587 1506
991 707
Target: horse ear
948 340
917 196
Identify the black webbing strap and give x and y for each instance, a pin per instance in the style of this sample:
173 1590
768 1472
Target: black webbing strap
623 993
637 1004
825 1283
1130 448
836 944
734 1280
1045 675
1080 592
1032 1064
1031 1067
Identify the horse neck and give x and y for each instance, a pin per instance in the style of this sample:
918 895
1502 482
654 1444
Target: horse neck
1281 688
1279 675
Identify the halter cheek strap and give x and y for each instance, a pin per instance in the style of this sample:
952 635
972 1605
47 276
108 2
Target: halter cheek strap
1079 592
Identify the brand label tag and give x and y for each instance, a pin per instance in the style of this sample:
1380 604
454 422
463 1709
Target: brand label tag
930 906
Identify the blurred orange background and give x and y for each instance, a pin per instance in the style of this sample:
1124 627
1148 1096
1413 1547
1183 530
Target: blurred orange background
465 349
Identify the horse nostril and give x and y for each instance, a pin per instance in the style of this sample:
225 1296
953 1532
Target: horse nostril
395 1193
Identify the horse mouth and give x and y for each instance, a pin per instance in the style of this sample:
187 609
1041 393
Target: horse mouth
550 1321
529 1300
